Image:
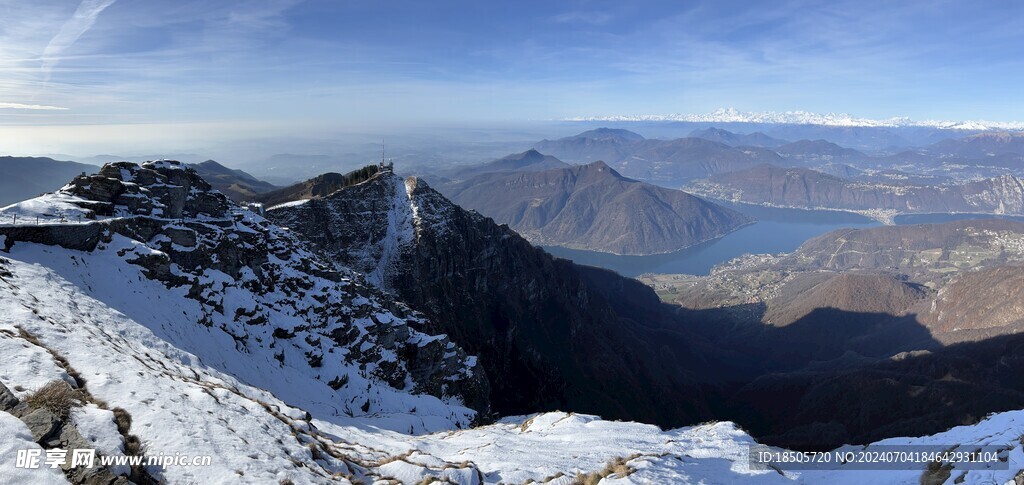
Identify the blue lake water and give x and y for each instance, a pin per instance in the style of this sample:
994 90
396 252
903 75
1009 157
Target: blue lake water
777 231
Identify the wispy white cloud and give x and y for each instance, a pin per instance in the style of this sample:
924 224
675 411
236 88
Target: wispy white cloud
79 23
585 17
30 107
261 15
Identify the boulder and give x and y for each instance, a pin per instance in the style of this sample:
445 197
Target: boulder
7 399
41 423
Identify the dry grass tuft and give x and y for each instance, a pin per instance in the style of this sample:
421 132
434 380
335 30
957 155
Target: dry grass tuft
618 466
57 397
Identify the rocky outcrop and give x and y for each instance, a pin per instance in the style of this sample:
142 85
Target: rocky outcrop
166 189
81 237
7 399
256 282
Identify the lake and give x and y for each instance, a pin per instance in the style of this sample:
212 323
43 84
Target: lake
777 231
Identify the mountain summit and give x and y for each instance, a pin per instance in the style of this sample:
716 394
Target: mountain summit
599 144
530 160
595 208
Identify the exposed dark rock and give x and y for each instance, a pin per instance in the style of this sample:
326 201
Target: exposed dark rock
7 399
41 422
163 189
55 433
81 237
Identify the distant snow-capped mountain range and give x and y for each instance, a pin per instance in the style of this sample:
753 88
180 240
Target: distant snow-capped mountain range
732 115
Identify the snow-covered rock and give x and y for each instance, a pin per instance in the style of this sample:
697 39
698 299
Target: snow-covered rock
248 298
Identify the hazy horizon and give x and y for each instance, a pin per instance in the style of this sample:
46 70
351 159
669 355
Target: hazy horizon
109 76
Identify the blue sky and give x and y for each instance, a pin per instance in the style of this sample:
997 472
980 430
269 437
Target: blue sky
156 71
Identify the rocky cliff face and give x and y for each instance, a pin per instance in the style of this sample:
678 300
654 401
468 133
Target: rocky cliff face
547 338
254 284
592 207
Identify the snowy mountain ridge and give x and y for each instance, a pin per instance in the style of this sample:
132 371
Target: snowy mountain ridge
732 115
238 282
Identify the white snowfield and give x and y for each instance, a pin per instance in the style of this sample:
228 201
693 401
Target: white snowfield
56 208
